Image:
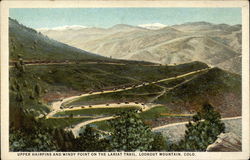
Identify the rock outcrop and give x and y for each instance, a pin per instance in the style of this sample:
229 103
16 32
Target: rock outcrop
226 142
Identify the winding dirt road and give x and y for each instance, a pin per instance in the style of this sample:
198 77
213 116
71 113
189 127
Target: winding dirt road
176 131
143 107
183 123
173 127
78 127
56 106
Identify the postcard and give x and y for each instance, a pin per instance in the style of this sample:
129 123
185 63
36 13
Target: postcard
124 80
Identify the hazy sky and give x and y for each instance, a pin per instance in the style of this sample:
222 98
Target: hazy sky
107 17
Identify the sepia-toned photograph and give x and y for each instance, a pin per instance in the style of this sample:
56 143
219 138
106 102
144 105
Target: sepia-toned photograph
124 80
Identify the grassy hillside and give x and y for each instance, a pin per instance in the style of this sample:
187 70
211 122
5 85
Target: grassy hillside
59 79
142 95
64 80
169 84
221 88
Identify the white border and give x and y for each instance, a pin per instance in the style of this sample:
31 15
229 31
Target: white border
5 5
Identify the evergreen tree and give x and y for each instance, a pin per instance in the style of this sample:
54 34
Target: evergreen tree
203 131
31 135
91 140
130 133
159 143
37 90
26 132
63 139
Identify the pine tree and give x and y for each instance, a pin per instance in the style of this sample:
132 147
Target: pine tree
90 140
26 133
159 143
130 133
203 131
37 90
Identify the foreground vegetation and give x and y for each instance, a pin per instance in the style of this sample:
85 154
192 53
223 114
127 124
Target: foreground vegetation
128 133
202 131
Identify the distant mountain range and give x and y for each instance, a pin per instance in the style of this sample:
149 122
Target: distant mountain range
215 44
73 27
153 26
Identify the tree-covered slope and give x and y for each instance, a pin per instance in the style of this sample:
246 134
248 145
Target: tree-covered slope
219 87
32 45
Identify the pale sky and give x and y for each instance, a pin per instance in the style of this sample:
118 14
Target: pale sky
108 17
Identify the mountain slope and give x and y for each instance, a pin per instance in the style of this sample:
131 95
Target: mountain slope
77 38
33 45
187 48
220 88
214 44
